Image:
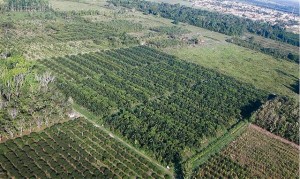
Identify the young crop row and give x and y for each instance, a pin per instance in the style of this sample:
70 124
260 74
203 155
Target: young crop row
264 156
151 97
252 155
74 149
220 166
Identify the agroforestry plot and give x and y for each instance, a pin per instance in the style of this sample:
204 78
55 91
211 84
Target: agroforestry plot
74 149
157 102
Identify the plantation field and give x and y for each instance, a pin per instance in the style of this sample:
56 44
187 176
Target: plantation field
76 149
152 91
262 71
148 97
255 154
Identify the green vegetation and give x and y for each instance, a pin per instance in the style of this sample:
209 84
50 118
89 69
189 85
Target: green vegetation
275 52
255 154
171 31
29 99
219 166
93 119
75 149
113 32
213 148
279 116
148 97
46 34
262 71
78 5
223 23
138 101
23 5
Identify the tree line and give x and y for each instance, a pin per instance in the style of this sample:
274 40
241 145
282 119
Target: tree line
215 21
275 52
280 116
26 5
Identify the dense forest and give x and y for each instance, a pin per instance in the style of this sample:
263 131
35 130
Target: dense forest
149 97
28 98
223 23
280 116
275 52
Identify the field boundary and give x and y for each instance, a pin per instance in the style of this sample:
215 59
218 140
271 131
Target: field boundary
92 118
270 134
216 146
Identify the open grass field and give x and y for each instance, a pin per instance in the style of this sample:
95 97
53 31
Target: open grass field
263 71
76 149
255 154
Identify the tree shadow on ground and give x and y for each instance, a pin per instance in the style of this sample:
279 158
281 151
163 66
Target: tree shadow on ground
178 166
247 110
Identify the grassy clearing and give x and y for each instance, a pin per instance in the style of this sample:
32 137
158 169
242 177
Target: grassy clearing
262 71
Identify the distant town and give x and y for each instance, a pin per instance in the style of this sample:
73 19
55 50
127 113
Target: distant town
291 21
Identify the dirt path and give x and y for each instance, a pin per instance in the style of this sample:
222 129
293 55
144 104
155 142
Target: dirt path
253 126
